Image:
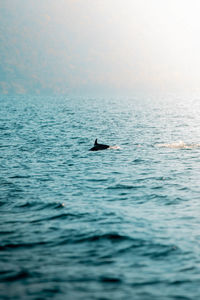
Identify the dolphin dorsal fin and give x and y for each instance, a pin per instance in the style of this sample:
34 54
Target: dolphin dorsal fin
95 142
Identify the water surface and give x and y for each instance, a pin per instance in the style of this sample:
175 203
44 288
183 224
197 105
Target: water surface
114 224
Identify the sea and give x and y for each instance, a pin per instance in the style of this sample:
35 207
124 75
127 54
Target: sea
123 223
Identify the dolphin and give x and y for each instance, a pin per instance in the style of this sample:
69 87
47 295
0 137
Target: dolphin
99 146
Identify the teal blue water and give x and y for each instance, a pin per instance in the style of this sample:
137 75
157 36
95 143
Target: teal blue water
114 224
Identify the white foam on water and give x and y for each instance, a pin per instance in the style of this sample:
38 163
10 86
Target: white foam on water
178 145
114 147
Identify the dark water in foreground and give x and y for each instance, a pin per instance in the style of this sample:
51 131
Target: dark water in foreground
113 224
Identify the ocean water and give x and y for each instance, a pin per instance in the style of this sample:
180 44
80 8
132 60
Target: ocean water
115 224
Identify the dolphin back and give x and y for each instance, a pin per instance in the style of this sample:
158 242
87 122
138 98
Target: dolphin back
99 146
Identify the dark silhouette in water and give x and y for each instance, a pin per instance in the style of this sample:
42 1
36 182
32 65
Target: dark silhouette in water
99 146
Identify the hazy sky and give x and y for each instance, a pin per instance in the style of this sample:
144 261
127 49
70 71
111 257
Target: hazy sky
94 46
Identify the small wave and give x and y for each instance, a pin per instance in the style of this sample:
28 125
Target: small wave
17 276
20 176
178 145
114 237
97 179
124 186
21 245
138 161
39 205
60 216
110 279
2 203
6 232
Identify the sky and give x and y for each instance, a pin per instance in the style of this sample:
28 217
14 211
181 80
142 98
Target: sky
99 46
